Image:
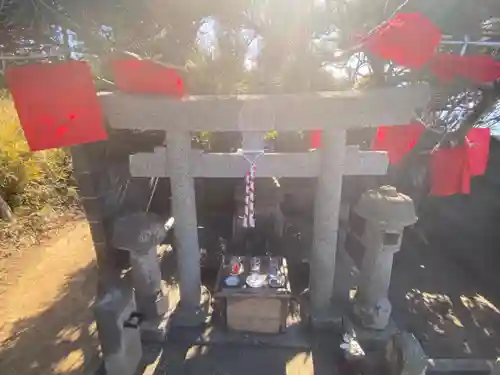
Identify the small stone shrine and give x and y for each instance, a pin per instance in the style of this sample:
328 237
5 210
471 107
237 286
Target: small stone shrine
258 300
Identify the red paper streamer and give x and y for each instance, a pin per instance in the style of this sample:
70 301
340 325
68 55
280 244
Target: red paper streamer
452 168
147 77
397 140
476 68
56 104
408 39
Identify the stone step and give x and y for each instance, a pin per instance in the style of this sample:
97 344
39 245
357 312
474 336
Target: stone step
460 366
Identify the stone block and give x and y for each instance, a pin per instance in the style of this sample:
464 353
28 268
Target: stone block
118 328
152 306
261 315
155 330
496 368
370 339
146 274
127 360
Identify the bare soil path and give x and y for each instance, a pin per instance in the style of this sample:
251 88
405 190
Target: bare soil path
46 325
451 307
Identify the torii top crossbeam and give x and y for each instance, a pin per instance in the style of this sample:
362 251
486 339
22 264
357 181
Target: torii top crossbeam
286 112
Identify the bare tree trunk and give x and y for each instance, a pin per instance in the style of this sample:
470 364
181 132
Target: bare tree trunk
5 211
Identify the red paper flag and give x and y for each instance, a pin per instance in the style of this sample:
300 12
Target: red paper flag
408 39
452 168
476 68
57 104
478 150
397 140
147 77
447 172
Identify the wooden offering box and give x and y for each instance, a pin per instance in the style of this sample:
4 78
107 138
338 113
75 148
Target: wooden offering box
260 310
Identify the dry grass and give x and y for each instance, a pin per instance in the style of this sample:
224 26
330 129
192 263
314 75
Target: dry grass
37 185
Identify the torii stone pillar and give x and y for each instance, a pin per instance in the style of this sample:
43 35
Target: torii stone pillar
326 222
184 210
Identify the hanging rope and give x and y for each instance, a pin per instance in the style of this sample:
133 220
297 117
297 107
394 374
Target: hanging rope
249 215
249 218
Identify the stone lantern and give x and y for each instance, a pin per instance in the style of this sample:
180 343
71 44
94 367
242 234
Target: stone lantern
387 213
140 234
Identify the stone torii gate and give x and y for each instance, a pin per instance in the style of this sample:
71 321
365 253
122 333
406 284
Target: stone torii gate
333 113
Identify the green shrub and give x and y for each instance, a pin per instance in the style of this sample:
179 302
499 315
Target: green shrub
31 181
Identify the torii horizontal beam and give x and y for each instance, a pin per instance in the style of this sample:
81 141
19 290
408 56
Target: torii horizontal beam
287 112
210 165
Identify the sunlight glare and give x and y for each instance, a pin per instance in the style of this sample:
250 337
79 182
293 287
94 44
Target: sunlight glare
298 363
73 361
482 302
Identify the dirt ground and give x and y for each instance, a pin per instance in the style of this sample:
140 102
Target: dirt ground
46 326
452 308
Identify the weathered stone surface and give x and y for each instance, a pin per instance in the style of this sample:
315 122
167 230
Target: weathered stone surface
387 207
374 316
98 231
326 222
127 361
253 141
496 369
139 232
146 278
369 338
118 331
462 366
387 213
186 224
301 165
155 330
404 355
185 315
265 112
